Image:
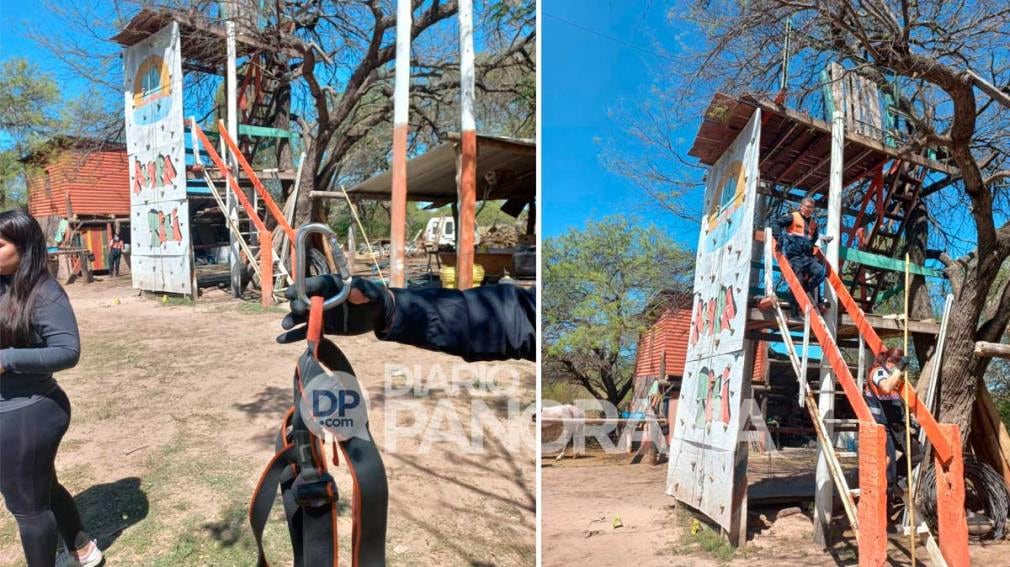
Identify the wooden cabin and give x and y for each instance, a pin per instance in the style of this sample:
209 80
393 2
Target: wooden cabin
85 183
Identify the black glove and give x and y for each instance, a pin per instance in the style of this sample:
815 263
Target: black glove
903 364
369 307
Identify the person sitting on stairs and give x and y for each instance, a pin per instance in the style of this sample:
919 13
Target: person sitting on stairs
795 235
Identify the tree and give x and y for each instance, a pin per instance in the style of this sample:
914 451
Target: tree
597 283
29 98
922 52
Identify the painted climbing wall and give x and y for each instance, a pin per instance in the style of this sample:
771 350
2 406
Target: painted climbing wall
161 252
703 451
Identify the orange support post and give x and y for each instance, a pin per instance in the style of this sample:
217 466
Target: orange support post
266 268
872 494
950 515
467 210
398 208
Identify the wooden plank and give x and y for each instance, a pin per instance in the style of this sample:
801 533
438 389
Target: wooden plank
904 154
875 117
999 436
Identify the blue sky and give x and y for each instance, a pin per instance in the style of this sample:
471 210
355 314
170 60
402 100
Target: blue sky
598 55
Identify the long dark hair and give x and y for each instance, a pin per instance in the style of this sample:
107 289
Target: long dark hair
19 290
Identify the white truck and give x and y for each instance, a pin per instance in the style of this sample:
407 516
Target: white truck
441 231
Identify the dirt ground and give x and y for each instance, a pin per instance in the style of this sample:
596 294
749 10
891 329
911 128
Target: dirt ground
175 409
600 511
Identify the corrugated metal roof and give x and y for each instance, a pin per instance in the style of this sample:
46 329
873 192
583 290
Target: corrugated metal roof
670 334
432 175
98 183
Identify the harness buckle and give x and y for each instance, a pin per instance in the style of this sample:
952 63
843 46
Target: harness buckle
314 490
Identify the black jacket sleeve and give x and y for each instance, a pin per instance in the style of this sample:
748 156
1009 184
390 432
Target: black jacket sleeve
779 225
494 322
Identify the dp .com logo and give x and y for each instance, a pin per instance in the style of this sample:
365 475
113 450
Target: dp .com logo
335 403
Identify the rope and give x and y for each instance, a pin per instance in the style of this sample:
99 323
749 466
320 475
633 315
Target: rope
354 212
985 491
912 531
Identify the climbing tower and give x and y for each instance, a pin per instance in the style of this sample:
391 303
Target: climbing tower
189 226
763 159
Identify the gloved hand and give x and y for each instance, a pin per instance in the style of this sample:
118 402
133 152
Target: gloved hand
369 307
903 364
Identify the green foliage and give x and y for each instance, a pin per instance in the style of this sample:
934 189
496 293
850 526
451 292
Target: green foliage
28 98
596 284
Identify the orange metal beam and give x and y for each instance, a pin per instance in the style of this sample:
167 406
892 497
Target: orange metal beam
828 346
216 158
876 345
268 200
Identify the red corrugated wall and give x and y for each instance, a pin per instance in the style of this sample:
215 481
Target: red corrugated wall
670 334
98 183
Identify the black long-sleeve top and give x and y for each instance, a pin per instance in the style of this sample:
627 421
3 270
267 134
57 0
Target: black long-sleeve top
56 345
496 322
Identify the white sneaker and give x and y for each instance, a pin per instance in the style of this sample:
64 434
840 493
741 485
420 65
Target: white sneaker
92 559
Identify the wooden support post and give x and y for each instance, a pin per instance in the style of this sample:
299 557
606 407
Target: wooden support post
872 494
401 103
824 497
468 146
738 518
983 348
266 268
950 515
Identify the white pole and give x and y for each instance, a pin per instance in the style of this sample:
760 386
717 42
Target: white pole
826 402
401 104
231 96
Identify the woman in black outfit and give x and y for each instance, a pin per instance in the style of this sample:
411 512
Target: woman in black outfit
38 336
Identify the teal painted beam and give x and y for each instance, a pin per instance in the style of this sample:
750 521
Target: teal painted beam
265 132
885 263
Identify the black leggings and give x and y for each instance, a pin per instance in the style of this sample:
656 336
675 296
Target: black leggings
29 438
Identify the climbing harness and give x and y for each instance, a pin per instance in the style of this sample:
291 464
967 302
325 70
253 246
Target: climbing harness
299 468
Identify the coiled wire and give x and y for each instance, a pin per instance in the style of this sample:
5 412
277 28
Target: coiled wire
985 492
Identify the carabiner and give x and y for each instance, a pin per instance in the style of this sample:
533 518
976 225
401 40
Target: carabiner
338 257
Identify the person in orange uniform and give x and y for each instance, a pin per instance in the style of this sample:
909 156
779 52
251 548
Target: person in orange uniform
883 396
795 236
